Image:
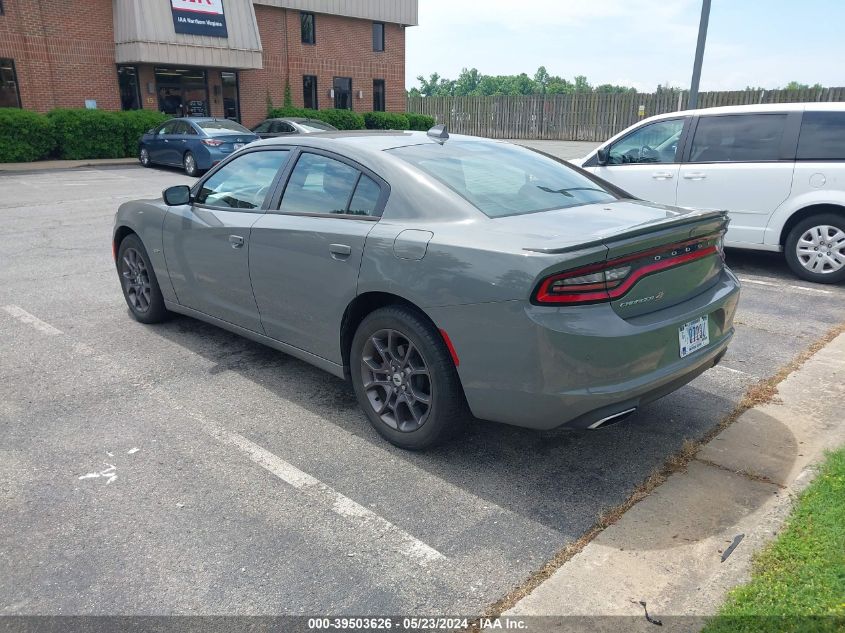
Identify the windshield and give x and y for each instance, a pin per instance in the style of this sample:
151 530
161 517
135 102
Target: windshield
317 126
501 179
223 126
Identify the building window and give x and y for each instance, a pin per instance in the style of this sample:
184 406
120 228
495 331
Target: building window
1 8
309 92
231 101
9 95
182 91
343 93
127 79
308 28
378 37
378 95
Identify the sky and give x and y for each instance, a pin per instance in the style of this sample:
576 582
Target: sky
640 43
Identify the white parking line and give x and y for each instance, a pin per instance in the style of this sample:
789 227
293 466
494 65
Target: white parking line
25 317
731 369
760 282
341 505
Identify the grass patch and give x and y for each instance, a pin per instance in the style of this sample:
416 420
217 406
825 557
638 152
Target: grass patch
798 581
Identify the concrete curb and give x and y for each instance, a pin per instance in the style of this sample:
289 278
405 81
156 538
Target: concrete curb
49 165
668 549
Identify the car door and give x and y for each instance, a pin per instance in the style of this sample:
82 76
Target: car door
742 163
646 162
157 147
207 242
176 143
262 129
305 254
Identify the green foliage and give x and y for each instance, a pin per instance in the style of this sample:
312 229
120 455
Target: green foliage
798 582
288 102
386 121
421 122
472 83
794 85
82 134
135 124
24 136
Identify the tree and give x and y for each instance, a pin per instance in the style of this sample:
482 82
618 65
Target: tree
541 78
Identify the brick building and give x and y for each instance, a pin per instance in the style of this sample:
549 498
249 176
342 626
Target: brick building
204 57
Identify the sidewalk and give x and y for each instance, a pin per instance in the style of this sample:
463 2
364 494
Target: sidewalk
45 165
672 550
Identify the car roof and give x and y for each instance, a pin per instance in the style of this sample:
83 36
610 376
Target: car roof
366 141
756 107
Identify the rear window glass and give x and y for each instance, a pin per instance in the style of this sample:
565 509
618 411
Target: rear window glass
822 136
223 125
317 126
738 138
501 179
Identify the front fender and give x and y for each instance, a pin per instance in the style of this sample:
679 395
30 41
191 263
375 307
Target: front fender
146 219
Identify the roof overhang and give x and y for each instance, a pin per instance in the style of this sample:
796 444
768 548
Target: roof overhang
403 12
145 33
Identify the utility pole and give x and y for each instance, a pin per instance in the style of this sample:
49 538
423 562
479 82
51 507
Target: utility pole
699 54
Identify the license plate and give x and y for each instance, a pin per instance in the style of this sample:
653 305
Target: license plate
238 145
693 336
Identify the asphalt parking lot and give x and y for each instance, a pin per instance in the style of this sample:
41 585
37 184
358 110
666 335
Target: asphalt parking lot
182 469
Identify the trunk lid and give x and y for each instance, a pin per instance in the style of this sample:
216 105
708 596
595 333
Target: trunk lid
670 254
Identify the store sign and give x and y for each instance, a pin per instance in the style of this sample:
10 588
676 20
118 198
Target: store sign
199 17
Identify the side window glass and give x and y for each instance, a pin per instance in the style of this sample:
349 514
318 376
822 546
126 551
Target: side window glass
738 138
822 136
262 128
653 143
287 128
188 129
319 185
243 183
167 128
365 199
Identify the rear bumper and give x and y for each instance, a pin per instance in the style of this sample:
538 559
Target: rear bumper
545 367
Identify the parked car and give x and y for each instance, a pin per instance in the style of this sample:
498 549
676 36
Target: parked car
441 275
271 128
194 143
778 169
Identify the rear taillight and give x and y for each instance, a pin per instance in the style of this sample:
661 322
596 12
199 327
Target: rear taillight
613 278
212 142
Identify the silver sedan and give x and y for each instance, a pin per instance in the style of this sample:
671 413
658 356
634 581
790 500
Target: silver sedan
445 277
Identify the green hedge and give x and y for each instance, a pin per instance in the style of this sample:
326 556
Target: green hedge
83 134
421 122
24 136
386 121
349 120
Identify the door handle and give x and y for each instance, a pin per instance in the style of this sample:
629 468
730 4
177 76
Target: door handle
236 241
695 175
662 175
340 251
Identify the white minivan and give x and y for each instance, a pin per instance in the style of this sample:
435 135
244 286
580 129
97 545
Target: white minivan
778 169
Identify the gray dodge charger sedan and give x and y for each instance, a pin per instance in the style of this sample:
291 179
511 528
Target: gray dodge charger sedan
445 276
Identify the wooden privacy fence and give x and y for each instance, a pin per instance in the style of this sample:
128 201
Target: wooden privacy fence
587 116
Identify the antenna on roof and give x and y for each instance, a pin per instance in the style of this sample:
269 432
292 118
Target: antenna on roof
439 134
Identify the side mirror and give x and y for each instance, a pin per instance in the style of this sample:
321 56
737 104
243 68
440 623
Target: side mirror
603 155
177 195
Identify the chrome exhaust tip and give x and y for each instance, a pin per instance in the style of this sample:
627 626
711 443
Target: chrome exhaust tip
612 419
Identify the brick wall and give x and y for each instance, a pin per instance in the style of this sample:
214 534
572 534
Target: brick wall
63 55
67 55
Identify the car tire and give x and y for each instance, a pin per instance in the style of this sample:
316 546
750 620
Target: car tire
398 360
815 248
139 282
144 157
189 162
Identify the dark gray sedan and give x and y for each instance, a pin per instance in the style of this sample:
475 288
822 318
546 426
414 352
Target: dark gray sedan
273 128
445 277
